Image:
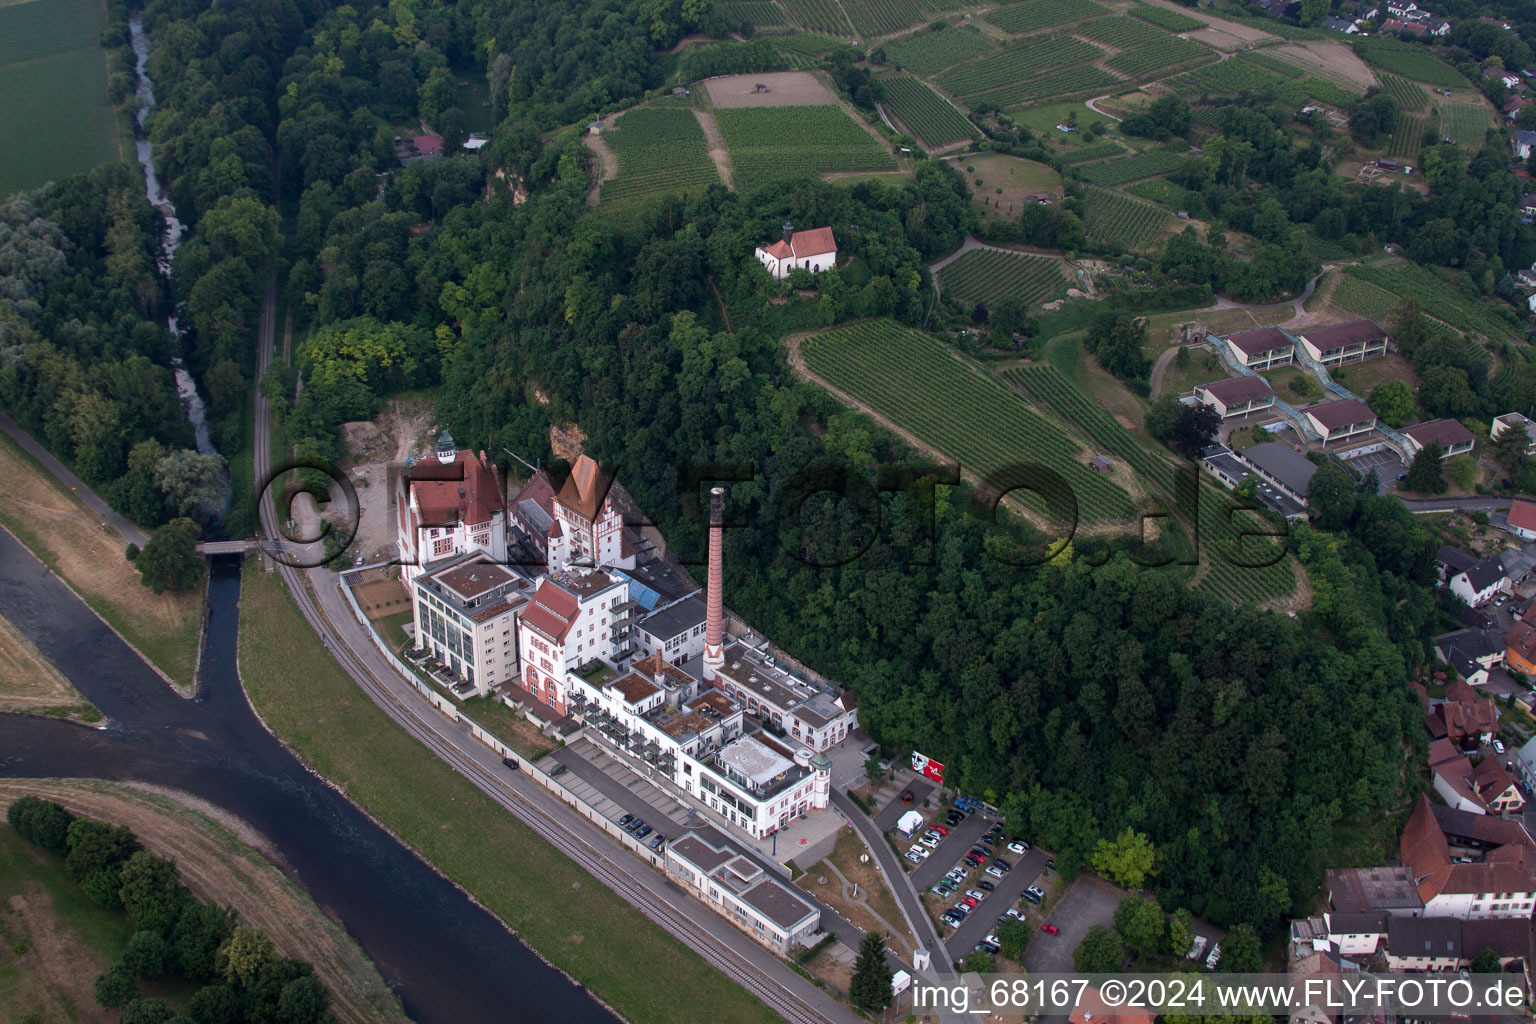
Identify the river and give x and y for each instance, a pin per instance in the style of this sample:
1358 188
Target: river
449 960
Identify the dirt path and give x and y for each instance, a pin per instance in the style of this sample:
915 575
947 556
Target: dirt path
218 860
607 161
1104 113
717 151
1159 368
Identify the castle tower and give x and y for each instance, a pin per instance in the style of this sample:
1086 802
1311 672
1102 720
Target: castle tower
447 450
714 632
821 793
789 232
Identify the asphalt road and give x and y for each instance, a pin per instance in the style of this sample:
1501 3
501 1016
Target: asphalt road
713 938
129 531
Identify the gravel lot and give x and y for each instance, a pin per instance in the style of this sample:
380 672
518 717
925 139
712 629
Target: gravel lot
785 89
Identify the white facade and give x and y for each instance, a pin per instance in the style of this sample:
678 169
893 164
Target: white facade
808 716
466 613
573 618
449 507
1477 590
1515 421
814 250
1472 906
735 887
588 523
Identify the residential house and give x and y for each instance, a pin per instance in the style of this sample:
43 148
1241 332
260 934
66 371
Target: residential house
1468 834
1092 1009
1522 143
1496 788
1521 519
590 522
1341 420
1517 565
1515 421
1527 203
1423 943
1398 8
1357 935
1481 583
675 629
814 250
1454 438
1471 652
532 513
1437 27
1263 348
1464 717
447 506
1510 80
1309 974
466 613
1451 560
1340 25
1449 771
1498 883
575 617
1366 14
1236 396
1348 342
1525 763
736 887
1520 649
1512 107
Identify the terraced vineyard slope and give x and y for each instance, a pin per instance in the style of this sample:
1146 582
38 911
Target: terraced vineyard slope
989 276
769 144
926 114
659 150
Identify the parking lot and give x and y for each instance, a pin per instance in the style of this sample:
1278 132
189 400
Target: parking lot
982 921
950 849
1386 464
1090 901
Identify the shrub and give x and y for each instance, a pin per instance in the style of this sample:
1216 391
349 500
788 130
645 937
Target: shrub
41 822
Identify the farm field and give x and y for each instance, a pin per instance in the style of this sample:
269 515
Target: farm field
56 119
1160 190
659 150
769 144
1000 183
1332 62
1038 14
989 276
1065 82
1439 300
825 16
1465 123
1116 217
1162 17
930 52
1218 530
782 89
1017 63
1147 60
1092 151
1364 298
757 13
926 114
1410 61
1130 168
1122 31
1408 137
1246 72
921 385
1409 95
881 17
1046 116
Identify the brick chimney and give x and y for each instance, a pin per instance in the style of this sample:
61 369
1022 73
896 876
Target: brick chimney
714 634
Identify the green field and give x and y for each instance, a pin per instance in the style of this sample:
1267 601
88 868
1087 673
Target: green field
757 13
925 113
1283 68
1151 59
1409 60
1219 538
769 144
923 386
1092 151
55 119
989 276
882 17
1408 137
1130 168
1465 123
1122 32
1017 63
1173 21
1073 81
1115 217
587 930
1160 190
930 52
1364 298
1409 95
819 16
1039 14
659 150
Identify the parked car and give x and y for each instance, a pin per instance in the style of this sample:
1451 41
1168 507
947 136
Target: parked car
995 871
989 839
1017 846
971 902
960 908
953 818
511 762
1005 865
643 831
936 890
624 821
913 857
986 886
929 841
976 894
942 830
633 826
922 851
1498 746
656 841
1049 928
988 947
1214 959
560 770
981 851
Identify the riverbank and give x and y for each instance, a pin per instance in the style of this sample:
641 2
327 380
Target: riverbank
217 862
558 909
69 538
30 685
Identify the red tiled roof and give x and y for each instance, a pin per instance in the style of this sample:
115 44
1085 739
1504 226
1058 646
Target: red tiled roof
552 611
427 144
1522 514
1490 779
1448 432
812 243
778 250
1236 390
1521 639
463 491
1441 751
585 489
1343 413
1260 340
1337 336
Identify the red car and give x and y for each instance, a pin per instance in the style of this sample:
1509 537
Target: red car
1049 928
971 901
941 830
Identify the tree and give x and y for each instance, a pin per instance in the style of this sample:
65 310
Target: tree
1013 937
245 955
1331 496
1100 952
1392 401
303 1001
1511 449
1425 475
151 893
1141 927
170 560
193 483
198 936
870 988
116 987
872 770
1194 429
1181 932
146 1011
1240 951
1117 340
216 1004
1462 471
1487 962
1163 416
979 962
148 955
41 822
97 853
1127 859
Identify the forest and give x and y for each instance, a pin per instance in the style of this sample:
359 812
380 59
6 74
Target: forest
1087 696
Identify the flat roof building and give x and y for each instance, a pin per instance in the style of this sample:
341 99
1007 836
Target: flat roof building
1261 349
466 614
736 887
1282 466
1349 342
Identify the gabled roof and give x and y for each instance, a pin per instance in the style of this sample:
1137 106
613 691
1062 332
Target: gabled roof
1342 413
1525 138
1486 573
552 611
814 242
1516 564
1337 336
1259 340
1448 432
779 250
463 491
585 489
536 503
1522 515
1236 390
1438 937
1521 640
1490 779
1454 559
